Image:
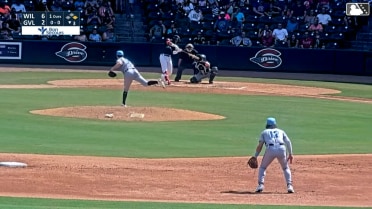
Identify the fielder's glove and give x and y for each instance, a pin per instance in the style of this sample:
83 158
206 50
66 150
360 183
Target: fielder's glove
252 162
111 74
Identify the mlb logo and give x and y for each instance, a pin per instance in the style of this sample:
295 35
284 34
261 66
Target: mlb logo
357 9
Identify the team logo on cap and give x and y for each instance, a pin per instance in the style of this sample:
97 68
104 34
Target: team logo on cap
73 52
267 58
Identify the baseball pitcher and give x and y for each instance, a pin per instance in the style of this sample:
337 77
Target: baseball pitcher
130 74
203 70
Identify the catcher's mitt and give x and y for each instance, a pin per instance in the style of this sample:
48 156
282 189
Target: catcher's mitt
111 74
253 162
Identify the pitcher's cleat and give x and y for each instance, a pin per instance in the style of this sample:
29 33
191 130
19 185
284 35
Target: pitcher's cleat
259 188
290 188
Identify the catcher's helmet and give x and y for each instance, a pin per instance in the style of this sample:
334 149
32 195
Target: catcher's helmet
119 53
202 57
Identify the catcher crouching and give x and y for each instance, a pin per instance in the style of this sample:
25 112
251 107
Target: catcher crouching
203 70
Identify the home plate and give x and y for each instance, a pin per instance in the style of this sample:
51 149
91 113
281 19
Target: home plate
137 115
13 164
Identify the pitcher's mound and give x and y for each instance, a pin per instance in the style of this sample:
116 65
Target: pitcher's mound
128 113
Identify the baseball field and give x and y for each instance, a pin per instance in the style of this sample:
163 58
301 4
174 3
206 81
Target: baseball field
185 146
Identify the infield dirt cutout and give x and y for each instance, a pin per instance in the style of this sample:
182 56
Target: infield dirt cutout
331 180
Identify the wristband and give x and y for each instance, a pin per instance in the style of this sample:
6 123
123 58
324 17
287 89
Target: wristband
256 154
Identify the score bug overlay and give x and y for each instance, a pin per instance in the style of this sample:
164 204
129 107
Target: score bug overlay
50 23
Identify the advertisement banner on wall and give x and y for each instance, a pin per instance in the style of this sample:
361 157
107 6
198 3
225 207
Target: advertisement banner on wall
267 58
73 52
11 50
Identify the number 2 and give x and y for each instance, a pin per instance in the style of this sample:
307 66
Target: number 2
42 22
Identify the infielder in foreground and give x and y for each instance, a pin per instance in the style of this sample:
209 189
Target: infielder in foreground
130 73
166 62
277 145
204 70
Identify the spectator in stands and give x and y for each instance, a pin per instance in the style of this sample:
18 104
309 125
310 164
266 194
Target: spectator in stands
351 21
18 7
211 2
316 26
318 42
215 9
263 31
187 6
199 39
157 32
292 24
79 5
56 6
221 25
95 36
109 35
273 11
298 10
240 17
224 15
172 31
4 11
82 37
93 19
293 41
280 34
5 32
105 10
324 18
202 4
309 17
195 15
92 3
259 8
241 40
42 5
267 40
14 24
307 41
323 4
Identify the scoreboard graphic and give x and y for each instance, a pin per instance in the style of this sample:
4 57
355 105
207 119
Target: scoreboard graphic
50 23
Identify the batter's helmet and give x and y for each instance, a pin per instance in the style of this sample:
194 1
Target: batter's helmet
119 53
202 57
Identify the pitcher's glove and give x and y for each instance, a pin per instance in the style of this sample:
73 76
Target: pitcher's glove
111 74
252 162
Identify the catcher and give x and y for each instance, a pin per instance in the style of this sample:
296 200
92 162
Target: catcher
277 145
204 70
130 74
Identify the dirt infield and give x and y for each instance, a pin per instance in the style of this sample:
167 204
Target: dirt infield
329 180
318 180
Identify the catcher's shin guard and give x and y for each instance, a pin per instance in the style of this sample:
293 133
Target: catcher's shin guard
193 80
211 77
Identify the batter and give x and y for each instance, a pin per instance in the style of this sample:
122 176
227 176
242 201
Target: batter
277 145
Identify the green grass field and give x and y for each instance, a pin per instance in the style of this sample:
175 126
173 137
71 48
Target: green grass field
314 126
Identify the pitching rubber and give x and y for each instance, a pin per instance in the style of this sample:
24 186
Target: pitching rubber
13 164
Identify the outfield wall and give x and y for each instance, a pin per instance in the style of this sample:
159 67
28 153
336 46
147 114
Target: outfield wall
346 62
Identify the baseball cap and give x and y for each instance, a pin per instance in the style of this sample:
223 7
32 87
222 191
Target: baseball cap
270 121
120 53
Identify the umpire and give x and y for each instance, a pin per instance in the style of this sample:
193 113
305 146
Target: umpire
186 59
